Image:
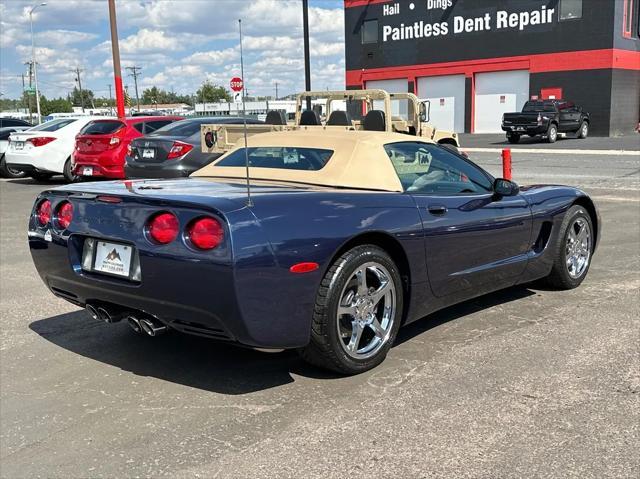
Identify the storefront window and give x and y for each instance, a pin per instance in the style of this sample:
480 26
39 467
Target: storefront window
370 31
570 9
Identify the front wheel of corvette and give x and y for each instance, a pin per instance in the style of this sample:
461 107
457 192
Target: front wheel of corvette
357 313
573 250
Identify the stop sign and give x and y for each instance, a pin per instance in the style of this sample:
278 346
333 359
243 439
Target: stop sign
236 84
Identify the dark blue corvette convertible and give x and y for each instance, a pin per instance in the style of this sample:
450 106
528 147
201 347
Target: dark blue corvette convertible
347 235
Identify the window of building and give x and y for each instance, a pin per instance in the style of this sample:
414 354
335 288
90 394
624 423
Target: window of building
370 31
570 9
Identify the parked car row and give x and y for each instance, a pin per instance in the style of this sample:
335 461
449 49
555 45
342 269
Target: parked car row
110 148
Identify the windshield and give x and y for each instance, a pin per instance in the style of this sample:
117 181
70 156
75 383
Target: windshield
284 158
537 106
101 127
53 125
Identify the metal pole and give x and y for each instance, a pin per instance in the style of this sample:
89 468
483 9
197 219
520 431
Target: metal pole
115 50
77 71
307 66
244 120
33 58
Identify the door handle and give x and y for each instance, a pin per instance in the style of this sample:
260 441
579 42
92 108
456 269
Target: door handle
437 210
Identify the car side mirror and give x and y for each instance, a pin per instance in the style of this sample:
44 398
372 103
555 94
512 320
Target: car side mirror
503 187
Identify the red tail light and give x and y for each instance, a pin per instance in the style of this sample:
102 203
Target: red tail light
44 212
205 233
164 228
64 215
40 140
179 149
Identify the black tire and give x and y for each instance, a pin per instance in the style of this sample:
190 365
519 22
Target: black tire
513 138
559 276
552 133
325 349
40 176
7 172
583 131
68 173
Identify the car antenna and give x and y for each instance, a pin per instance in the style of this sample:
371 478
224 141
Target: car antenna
244 121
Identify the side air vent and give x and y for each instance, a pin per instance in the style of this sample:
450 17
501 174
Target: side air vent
543 237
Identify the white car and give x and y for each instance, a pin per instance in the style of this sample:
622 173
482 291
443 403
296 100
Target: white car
4 144
45 150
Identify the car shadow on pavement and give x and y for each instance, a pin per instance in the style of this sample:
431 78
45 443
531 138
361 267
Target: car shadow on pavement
209 365
55 181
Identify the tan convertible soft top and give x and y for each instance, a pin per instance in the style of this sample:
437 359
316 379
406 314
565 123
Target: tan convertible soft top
359 159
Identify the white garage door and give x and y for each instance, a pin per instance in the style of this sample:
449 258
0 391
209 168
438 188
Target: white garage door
400 85
498 93
446 94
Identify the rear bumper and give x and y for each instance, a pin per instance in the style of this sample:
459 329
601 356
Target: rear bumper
109 164
242 301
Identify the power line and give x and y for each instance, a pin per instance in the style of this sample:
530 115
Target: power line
135 71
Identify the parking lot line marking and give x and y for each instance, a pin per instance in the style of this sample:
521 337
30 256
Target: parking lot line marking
561 152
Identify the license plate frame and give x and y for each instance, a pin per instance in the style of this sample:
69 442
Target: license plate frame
18 145
520 128
108 254
87 171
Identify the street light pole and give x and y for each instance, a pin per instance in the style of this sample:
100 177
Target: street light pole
33 57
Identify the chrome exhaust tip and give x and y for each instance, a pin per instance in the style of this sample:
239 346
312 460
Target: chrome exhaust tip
111 315
135 324
93 312
151 327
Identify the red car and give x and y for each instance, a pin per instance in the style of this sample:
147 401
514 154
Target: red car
101 146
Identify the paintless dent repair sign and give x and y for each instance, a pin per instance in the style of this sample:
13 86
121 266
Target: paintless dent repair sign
489 21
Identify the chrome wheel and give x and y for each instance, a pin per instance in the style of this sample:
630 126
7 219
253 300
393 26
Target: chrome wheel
366 311
578 248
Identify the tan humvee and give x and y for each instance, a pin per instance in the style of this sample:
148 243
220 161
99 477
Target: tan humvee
221 138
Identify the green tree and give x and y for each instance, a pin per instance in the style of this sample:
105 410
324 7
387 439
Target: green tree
87 96
56 105
209 92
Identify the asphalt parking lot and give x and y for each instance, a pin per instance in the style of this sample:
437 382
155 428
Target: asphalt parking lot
526 382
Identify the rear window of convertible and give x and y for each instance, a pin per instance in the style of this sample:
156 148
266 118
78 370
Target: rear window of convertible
284 158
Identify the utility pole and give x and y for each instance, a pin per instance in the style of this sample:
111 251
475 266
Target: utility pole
33 57
77 71
305 33
276 90
28 98
22 75
115 50
135 71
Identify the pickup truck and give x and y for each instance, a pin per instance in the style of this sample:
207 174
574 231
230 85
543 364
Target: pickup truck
546 118
217 139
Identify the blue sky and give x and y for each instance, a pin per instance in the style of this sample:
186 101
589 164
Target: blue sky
178 44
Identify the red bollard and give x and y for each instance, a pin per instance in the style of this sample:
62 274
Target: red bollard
506 164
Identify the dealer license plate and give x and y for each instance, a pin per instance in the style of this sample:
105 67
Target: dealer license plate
520 128
18 145
148 153
113 258
87 171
